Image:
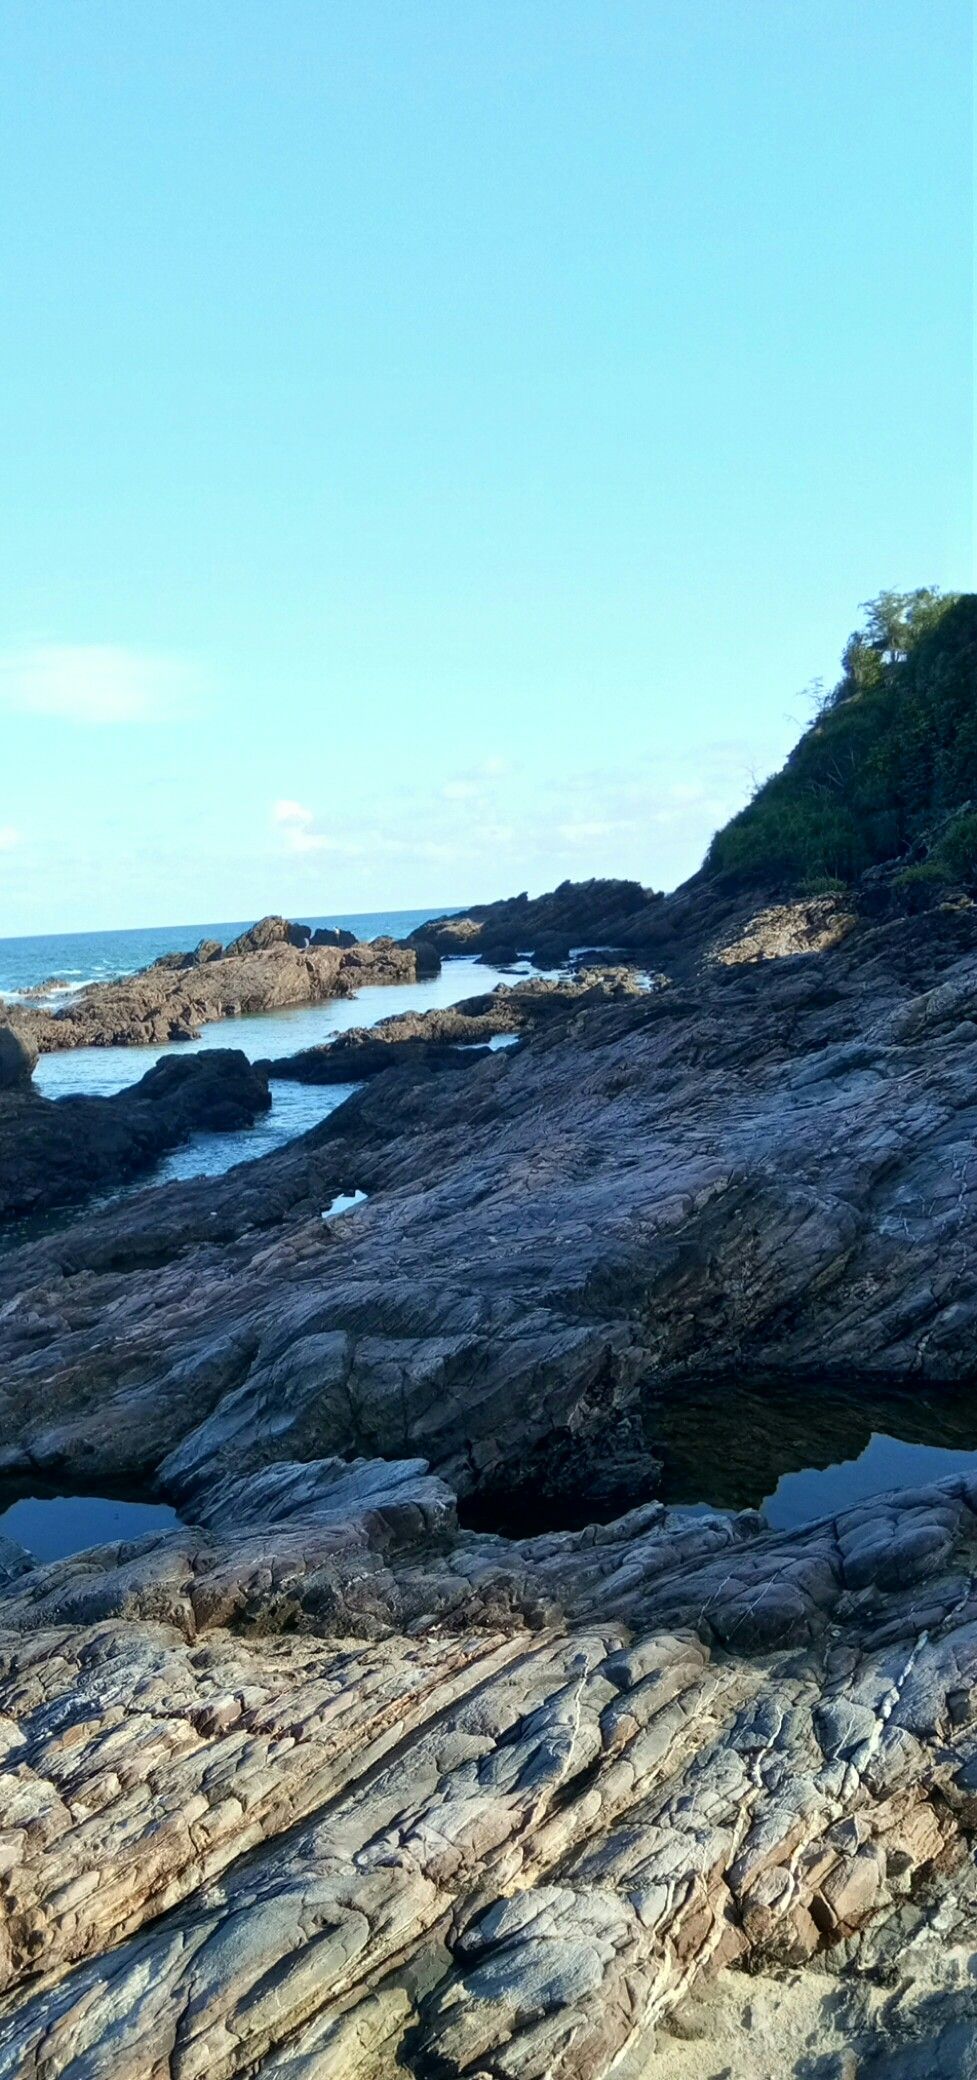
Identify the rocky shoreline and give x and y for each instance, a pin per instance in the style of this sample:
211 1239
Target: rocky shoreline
54 1153
349 1778
276 963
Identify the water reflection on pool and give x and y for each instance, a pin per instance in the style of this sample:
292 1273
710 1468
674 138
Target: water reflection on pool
51 1526
886 1462
806 1450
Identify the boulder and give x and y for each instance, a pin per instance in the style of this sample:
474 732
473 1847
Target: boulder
268 932
55 1153
17 1059
332 935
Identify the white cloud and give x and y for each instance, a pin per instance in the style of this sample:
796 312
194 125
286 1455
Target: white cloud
586 833
95 683
460 791
286 813
313 841
295 821
9 837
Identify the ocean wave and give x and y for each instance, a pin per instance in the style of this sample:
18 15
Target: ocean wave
41 993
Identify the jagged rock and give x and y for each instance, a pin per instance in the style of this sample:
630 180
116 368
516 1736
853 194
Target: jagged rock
787 928
327 1786
266 968
432 1040
332 935
356 1055
578 913
688 1182
320 1785
270 931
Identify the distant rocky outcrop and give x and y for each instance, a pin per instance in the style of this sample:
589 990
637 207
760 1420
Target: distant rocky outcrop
269 931
547 928
56 1152
332 935
271 966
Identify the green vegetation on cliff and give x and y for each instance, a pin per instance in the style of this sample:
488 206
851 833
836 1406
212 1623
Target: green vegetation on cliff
888 770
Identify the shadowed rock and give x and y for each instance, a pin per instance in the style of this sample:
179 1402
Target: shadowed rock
54 1152
18 1058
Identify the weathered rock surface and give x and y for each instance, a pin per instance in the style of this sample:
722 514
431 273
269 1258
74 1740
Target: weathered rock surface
270 966
323 1785
18 1060
775 1169
706 919
320 1786
54 1152
787 928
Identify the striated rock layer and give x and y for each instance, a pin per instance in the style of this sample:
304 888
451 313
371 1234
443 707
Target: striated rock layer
321 1787
325 1785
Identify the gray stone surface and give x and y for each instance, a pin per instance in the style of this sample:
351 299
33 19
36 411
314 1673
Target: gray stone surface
324 1786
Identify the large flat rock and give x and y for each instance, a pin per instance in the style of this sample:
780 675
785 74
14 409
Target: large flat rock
320 1786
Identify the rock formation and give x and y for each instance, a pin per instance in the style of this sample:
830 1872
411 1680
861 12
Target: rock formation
584 914
433 1039
55 1152
345 1779
268 967
772 1169
18 1060
320 1787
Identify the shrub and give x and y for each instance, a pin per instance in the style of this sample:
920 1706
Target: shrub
891 751
956 853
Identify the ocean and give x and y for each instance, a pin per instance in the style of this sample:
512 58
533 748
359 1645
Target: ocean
75 958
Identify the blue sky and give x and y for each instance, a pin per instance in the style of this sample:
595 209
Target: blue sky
441 441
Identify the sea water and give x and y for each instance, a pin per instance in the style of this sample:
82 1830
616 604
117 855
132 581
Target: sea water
77 958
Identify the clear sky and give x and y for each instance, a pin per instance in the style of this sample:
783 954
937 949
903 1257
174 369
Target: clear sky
441 438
